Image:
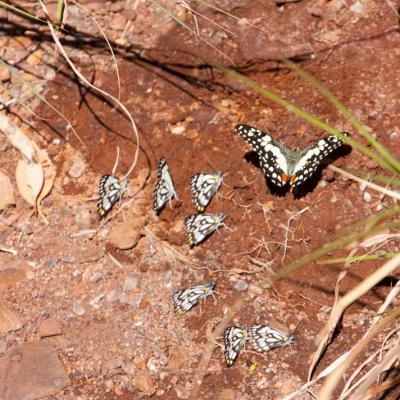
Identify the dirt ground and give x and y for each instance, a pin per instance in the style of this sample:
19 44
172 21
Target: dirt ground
105 286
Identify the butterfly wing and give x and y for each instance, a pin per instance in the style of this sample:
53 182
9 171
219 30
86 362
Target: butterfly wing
311 158
265 338
271 153
203 187
199 226
164 190
111 190
184 300
234 340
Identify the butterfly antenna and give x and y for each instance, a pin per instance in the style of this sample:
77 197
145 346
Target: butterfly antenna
116 162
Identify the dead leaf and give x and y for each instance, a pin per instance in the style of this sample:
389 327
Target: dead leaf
30 180
6 191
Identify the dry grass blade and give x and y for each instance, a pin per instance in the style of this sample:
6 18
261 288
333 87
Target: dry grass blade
387 192
83 79
337 312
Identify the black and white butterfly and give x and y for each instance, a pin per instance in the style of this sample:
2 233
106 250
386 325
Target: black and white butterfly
111 189
203 187
185 299
265 338
234 339
164 190
282 165
199 226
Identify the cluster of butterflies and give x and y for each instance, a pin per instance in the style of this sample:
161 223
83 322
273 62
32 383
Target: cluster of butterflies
262 337
203 186
281 165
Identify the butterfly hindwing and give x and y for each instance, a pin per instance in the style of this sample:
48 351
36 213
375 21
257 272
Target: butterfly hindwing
111 190
282 165
203 187
164 190
184 300
312 156
270 152
199 226
234 339
265 338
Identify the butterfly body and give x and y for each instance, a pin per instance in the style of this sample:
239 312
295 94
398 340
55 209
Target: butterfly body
111 189
282 165
234 340
203 187
164 190
265 338
199 226
185 299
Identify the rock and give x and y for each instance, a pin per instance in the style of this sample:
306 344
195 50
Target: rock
178 129
113 290
30 275
240 285
176 359
95 302
32 371
9 320
50 327
5 73
227 394
6 189
77 308
125 235
78 166
118 22
113 364
367 197
181 392
131 282
35 58
143 382
95 277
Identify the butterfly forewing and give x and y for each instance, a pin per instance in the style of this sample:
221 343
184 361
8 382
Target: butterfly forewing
311 158
203 187
265 338
234 340
184 300
164 190
199 226
282 165
111 190
270 152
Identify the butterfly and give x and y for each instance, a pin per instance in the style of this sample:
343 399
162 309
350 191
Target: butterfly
234 339
165 189
282 165
199 226
265 338
184 300
111 189
203 187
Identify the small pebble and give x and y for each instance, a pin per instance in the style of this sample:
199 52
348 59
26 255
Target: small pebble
240 285
178 130
76 273
131 282
30 275
77 308
94 278
367 197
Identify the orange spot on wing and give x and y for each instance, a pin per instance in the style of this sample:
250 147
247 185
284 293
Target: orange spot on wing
292 179
284 178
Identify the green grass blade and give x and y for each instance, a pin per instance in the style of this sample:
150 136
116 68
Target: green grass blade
376 178
367 257
303 114
350 117
60 12
19 11
329 247
15 73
